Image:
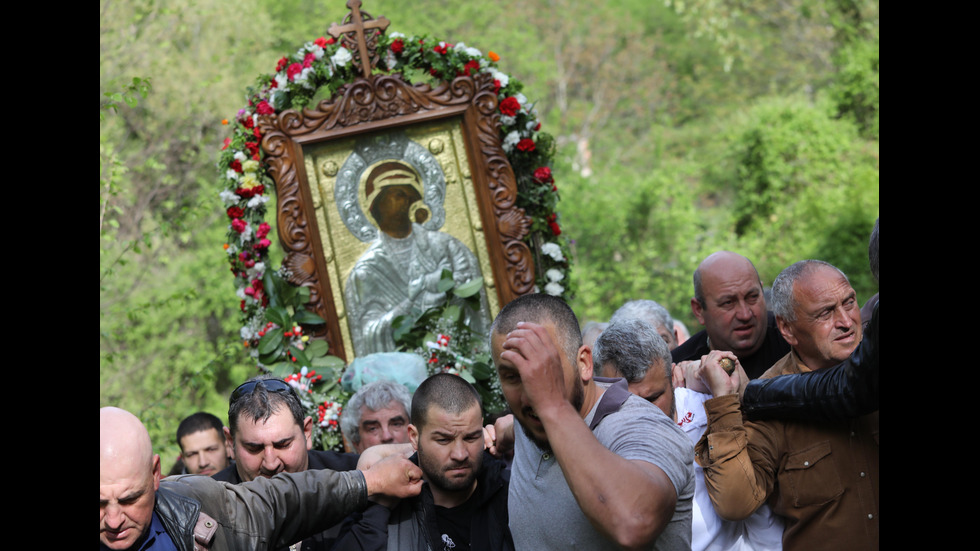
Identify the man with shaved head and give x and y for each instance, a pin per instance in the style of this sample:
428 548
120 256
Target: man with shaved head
729 302
138 510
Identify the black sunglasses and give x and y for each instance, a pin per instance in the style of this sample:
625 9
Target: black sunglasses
271 385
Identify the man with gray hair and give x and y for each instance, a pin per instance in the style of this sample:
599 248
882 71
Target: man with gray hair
633 350
377 414
821 476
654 314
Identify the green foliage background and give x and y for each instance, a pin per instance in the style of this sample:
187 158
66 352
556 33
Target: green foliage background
681 127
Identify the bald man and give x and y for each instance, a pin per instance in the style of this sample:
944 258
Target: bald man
729 302
136 508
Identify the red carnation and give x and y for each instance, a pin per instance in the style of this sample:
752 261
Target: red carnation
442 48
263 230
236 165
541 175
321 42
238 225
554 228
509 106
471 65
496 86
331 40
433 72
527 144
308 59
282 63
293 70
398 46
248 122
263 108
253 148
235 212
227 142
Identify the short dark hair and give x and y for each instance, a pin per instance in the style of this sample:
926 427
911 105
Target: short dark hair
260 404
450 392
198 422
541 308
630 346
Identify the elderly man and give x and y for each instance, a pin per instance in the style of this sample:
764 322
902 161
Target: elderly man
729 302
820 476
270 433
622 478
463 504
632 349
377 414
654 314
138 510
203 448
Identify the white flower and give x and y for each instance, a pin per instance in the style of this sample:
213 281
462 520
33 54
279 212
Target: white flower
554 275
241 294
554 289
231 175
522 99
510 140
341 58
303 77
497 75
228 197
256 201
463 48
531 125
507 120
317 52
390 59
553 250
246 333
240 156
259 267
281 80
397 35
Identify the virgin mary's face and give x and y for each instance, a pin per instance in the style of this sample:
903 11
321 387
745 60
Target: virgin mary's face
390 209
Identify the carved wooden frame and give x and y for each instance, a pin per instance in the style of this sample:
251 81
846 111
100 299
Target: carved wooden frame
382 102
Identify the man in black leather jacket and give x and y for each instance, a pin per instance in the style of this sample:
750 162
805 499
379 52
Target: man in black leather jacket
136 508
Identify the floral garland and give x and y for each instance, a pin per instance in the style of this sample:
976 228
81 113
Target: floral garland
318 70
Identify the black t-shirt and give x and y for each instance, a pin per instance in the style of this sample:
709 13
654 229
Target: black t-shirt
454 526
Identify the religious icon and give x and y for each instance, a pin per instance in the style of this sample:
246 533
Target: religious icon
390 193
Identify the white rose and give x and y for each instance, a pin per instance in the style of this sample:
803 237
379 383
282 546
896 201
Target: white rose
341 58
553 250
554 275
554 289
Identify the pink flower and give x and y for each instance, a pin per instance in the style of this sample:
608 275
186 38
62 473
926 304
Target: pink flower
238 225
293 70
527 144
227 142
509 106
263 230
308 59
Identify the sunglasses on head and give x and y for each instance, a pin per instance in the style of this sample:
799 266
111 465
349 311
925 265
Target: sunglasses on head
271 385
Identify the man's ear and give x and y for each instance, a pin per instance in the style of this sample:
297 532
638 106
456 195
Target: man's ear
584 360
697 310
413 436
156 472
308 432
228 444
786 329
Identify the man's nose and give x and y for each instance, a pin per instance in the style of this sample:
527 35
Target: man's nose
459 452
113 516
742 311
844 320
270 460
386 436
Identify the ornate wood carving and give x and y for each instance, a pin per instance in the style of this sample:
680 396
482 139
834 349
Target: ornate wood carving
379 102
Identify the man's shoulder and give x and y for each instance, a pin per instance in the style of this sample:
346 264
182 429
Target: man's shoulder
784 366
228 474
691 349
335 461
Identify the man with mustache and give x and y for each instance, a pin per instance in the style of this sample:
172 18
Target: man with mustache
623 478
821 476
463 503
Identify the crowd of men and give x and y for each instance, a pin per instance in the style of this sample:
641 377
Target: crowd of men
758 432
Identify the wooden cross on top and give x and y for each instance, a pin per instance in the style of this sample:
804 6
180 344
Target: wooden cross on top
353 29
